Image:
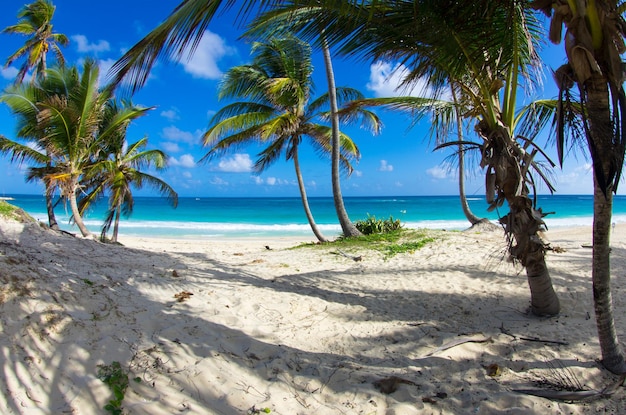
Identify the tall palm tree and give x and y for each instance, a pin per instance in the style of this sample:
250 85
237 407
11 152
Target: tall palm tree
486 48
279 112
184 27
35 21
594 46
120 167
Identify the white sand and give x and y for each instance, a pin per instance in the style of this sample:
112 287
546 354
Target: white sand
302 331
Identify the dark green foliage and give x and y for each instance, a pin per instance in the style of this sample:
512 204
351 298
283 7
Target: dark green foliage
371 225
117 380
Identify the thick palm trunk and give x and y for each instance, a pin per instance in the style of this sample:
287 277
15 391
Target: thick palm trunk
305 201
612 354
601 135
347 226
529 250
78 220
523 224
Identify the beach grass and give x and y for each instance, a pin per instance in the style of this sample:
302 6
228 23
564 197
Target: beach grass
10 211
388 243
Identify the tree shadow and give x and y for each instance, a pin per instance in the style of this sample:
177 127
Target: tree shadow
69 305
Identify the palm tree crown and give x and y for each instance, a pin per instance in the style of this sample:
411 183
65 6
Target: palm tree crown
35 21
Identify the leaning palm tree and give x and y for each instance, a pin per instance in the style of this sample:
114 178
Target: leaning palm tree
67 107
121 166
35 21
279 111
594 46
486 49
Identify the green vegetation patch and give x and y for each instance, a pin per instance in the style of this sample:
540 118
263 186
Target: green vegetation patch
390 243
10 211
116 379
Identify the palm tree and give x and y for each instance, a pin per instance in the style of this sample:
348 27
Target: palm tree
595 32
185 26
33 153
35 21
486 49
279 112
120 168
65 108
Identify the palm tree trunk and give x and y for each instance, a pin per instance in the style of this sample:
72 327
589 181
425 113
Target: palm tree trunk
347 226
78 220
601 135
612 354
116 224
52 220
529 250
305 201
473 219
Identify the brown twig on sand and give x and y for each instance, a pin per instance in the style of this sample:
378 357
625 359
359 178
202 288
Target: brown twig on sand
531 339
574 395
477 338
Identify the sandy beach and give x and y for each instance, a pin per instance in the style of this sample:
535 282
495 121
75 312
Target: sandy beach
232 327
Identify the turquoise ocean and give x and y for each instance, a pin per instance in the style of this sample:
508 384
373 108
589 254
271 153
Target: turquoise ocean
215 218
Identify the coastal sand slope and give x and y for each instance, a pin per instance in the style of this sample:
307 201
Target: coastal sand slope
231 327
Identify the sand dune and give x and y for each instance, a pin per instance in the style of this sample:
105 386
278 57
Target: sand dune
297 331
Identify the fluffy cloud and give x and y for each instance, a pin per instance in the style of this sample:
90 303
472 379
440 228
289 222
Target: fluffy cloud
176 134
239 163
440 172
9 73
384 166
83 45
386 80
171 114
203 62
170 147
186 160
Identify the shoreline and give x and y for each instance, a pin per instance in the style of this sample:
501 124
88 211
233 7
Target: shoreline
224 327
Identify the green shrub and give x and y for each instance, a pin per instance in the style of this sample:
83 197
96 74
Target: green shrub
371 225
117 380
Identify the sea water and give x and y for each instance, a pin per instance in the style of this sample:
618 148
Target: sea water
206 217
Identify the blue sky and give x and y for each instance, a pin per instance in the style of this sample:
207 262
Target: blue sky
400 161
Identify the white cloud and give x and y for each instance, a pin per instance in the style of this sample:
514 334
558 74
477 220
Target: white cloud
440 172
239 163
385 81
187 175
384 166
357 173
83 45
171 114
170 147
176 134
257 180
218 181
9 73
104 65
203 62
186 160
271 181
